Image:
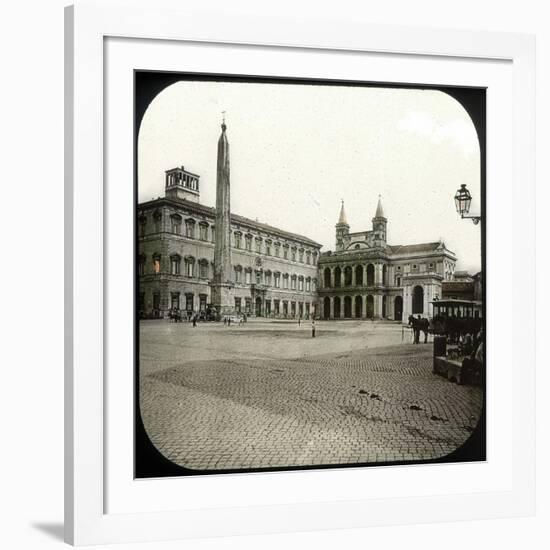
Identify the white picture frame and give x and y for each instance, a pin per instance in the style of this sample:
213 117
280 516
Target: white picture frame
103 504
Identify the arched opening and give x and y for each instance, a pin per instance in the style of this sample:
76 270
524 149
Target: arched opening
347 307
347 276
337 277
384 275
358 307
359 275
398 308
370 275
258 307
327 277
326 307
370 306
418 300
384 306
337 307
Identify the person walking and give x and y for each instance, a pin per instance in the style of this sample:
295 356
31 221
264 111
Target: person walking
313 328
194 320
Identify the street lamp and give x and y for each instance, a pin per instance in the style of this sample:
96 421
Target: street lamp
463 200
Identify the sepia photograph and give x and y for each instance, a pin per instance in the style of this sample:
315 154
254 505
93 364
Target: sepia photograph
310 267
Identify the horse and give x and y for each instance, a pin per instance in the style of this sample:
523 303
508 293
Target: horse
419 324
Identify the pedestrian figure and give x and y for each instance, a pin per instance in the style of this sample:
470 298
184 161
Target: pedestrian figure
313 328
229 321
299 321
194 321
224 321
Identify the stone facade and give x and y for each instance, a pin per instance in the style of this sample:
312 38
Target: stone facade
274 272
366 278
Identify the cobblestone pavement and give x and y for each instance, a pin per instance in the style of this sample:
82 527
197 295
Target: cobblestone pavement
268 395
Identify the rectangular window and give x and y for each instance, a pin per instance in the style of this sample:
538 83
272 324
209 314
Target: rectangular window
156 264
237 275
189 268
308 257
249 243
189 302
277 279
248 305
202 302
293 283
285 252
258 277
175 300
237 240
277 250
204 232
301 256
285 281
314 285
247 277
308 285
238 304
176 226
300 284
203 270
285 307
258 246
190 230
293 309
268 279
276 306
175 266
268 248
293 256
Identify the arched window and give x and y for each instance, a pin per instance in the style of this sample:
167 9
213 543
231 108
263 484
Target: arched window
337 307
308 284
347 276
347 307
190 228
327 277
203 269
190 266
370 275
277 279
337 277
358 307
175 264
237 238
156 262
293 282
238 273
203 229
175 224
384 275
248 276
359 275
141 264
157 218
301 283
370 306
267 278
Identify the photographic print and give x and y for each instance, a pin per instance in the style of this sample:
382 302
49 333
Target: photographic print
310 267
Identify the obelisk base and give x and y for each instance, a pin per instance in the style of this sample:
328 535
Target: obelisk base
223 298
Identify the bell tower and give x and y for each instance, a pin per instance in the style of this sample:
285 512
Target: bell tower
342 230
379 225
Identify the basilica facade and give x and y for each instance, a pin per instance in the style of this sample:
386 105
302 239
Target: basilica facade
367 278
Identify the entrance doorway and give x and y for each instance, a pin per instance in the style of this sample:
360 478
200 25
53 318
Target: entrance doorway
258 307
398 308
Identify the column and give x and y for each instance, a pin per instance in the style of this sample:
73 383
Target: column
342 301
377 306
331 313
332 279
364 303
353 281
378 274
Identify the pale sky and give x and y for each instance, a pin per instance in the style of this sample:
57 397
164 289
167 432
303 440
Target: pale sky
296 150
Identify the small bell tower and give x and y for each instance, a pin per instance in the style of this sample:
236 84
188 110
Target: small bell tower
379 225
342 230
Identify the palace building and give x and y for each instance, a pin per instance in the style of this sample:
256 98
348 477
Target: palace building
366 278
191 256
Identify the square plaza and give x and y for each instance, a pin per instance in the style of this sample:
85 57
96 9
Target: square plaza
265 394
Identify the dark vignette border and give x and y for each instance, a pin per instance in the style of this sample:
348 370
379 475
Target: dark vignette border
148 461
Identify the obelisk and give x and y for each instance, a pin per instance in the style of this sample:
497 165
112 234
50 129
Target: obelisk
222 283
